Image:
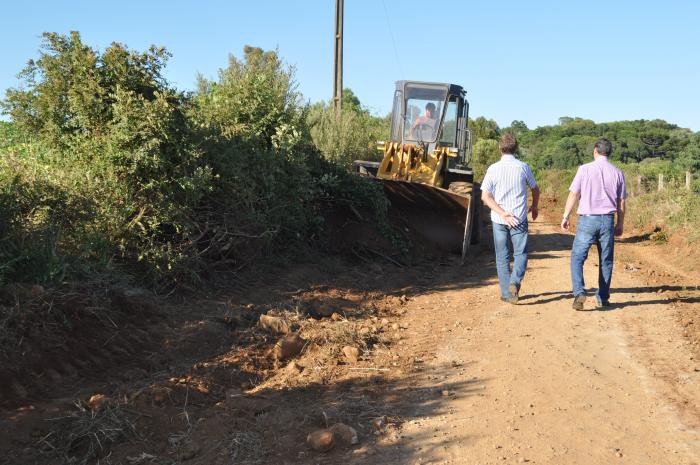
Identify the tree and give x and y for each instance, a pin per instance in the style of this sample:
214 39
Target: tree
351 102
484 153
483 128
349 135
72 91
254 103
517 127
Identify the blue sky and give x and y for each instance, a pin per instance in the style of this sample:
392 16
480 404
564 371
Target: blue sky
529 60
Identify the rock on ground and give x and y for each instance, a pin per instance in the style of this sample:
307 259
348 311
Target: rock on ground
321 440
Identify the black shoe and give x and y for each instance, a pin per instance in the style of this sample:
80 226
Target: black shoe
579 300
514 291
602 303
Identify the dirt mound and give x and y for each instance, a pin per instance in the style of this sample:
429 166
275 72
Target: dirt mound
50 337
218 393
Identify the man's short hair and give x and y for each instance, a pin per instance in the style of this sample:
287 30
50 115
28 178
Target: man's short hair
430 106
508 143
603 146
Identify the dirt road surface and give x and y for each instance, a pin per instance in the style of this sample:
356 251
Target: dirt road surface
541 383
448 374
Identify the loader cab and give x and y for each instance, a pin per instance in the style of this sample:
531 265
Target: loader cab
433 115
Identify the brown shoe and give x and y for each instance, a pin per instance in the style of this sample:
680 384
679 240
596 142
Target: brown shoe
579 300
514 291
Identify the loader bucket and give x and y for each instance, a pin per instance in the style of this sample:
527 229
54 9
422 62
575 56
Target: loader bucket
442 217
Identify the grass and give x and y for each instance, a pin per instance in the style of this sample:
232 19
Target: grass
87 434
666 213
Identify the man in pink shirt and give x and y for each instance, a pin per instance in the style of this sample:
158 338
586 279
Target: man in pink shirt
599 188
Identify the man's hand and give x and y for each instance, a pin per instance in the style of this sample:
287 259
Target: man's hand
510 219
533 211
619 228
565 224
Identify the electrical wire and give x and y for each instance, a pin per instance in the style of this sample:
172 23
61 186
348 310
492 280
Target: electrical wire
393 42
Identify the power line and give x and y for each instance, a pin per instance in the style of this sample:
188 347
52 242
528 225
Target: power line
393 42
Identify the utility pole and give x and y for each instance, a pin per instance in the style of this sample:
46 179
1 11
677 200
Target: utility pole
338 68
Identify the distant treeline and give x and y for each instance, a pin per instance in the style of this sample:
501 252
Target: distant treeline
653 146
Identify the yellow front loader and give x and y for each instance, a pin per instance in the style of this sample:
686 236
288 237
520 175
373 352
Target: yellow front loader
424 167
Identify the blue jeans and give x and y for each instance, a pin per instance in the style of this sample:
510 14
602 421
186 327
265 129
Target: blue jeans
518 237
598 230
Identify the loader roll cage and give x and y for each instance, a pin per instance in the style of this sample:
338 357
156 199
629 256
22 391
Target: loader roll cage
448 128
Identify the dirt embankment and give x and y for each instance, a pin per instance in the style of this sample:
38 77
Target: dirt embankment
423 363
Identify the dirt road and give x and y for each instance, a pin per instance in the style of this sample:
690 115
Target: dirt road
541 383
447 373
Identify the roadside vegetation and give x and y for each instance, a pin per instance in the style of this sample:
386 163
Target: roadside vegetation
107 168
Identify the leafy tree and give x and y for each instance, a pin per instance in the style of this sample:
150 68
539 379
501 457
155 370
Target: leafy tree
483 128
348 135
254 103
352 102
71 91
484 153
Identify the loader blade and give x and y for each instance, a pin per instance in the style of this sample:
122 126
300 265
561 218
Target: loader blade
440 216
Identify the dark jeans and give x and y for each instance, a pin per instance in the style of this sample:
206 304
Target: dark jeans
518 236
598 230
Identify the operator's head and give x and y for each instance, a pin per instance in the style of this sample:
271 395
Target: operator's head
430 109
603 147
508 143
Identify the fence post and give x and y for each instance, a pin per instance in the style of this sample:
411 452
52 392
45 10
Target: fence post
639 185
688 178
661 182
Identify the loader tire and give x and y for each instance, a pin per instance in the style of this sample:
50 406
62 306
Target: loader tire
461 188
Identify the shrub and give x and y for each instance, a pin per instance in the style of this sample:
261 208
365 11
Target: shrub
348 135
117 168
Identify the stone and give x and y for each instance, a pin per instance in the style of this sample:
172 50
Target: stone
36 290
97 401
190 450
321 440
344 435
160 394
379 424
293 368
336 316
248 405
273 324
317 309
288 347
352 354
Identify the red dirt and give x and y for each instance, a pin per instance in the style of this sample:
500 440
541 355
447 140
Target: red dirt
443 370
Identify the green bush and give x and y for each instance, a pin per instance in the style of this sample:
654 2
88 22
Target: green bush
348 135
117 169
